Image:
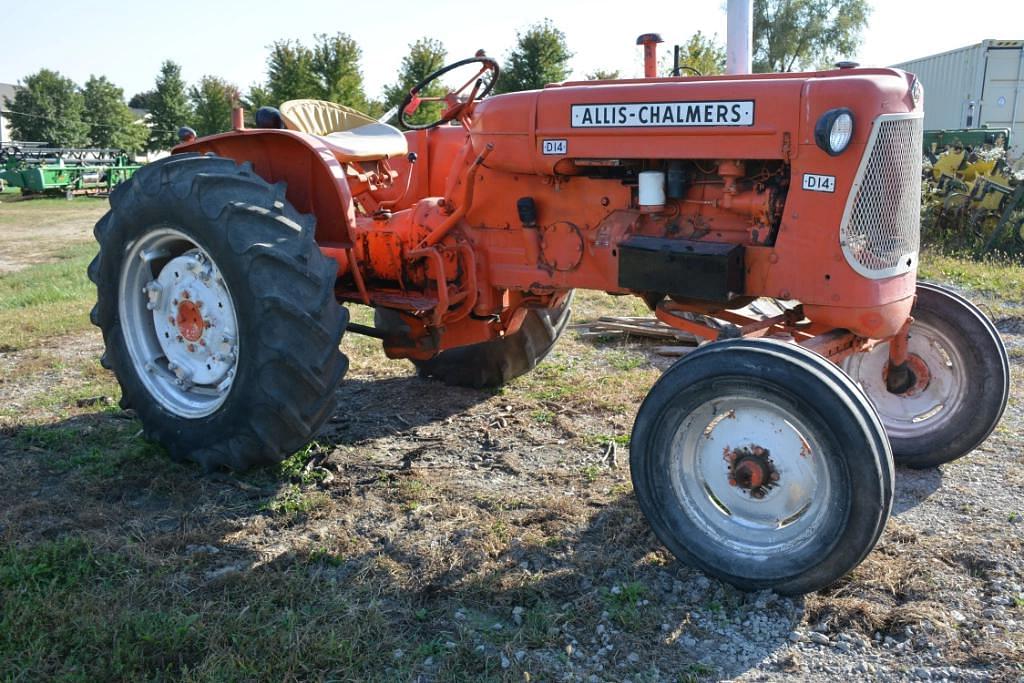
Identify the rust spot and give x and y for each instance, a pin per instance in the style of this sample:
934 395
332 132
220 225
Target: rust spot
752 470
190 322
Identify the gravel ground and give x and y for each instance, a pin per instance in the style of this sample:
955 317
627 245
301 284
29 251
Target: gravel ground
939 599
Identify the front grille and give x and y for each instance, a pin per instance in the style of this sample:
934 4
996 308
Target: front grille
881 229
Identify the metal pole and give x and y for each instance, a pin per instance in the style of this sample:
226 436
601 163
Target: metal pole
739 36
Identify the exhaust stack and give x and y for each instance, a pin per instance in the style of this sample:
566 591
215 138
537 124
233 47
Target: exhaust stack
650 42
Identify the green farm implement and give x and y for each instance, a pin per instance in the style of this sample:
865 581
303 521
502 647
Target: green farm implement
41 170
938 141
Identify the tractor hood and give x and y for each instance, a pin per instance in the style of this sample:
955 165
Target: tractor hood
769 116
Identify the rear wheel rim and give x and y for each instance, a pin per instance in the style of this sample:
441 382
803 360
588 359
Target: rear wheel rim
782 515
930 408
179 323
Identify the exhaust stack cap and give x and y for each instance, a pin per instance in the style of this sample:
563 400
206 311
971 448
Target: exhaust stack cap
650 42
645 38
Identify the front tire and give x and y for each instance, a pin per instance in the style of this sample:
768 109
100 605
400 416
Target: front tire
217 311
961 396
763 465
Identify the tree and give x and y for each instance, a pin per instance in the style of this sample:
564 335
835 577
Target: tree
425 56
329 71
48 108
258 96
143 100
212 101
603 75
801 34
539 57
111 123
335 66
170 109
701 53
290 72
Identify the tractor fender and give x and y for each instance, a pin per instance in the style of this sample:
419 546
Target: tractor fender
315 179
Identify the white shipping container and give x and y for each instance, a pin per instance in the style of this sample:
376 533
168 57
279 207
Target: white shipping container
974 86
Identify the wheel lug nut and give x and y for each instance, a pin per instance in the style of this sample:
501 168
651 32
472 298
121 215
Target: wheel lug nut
191 348
180 338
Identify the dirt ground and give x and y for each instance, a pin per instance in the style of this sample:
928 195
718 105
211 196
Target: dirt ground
433 533
31 231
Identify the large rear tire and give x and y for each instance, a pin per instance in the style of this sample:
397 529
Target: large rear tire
217 311
492 363
958 400
763 465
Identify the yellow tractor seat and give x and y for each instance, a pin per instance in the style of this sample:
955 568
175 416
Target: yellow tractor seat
350 135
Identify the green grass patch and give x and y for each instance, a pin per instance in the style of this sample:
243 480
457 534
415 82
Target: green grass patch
997 277
75 611
590 473
605 439
292 502
60 564
104 451
46 300
58 282
626 605
625 360
295 467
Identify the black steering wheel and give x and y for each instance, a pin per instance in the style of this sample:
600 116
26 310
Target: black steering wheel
478 87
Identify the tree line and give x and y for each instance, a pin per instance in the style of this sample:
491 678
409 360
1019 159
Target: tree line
788 35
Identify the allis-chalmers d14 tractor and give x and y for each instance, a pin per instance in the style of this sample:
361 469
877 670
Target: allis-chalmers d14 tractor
765 457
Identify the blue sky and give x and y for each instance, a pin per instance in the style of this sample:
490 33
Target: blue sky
126 41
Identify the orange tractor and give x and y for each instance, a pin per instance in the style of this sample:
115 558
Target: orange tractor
765 457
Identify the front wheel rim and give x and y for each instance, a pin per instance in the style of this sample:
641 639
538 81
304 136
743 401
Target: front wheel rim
928 409
179 323
751 476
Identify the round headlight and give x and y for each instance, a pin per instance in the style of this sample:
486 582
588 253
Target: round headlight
834 130
917 92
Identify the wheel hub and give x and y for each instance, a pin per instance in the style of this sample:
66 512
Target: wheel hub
752 470
910 379
190 321
194 320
